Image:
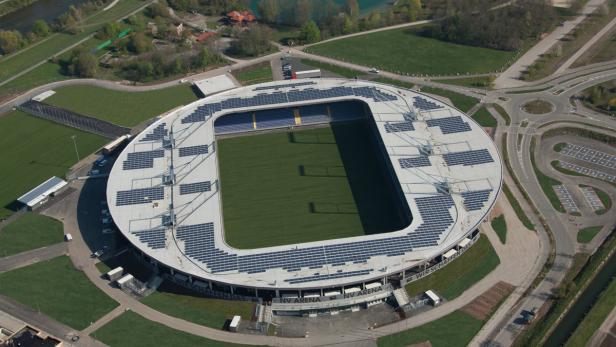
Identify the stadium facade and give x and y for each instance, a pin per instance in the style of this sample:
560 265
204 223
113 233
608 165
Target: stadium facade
164 194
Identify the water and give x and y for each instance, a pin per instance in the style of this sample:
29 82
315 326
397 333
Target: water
365 6
24 18
584 303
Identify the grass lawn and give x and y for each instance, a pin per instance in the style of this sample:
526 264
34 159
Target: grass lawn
559 146
132 330
546 182
460 274
405 51
121 108
29 231
301 186
500 227
537 107
454 329
462 102
502 112
517 208
595 317
393 82
605 199
182 303
339 70
601 51
473 82
586 235
49 151
484 118
58 290
254 74
46 73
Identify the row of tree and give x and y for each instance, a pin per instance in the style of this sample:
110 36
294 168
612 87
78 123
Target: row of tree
12 40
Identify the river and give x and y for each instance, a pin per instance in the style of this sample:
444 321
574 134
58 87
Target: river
24 18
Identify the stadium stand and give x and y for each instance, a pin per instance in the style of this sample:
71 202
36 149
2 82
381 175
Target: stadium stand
314 114
277 118
233 123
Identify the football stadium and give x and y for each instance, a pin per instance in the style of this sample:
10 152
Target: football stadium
314 194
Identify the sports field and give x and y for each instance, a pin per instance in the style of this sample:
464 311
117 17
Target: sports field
118 107
301 186
29 231
32 150
405 51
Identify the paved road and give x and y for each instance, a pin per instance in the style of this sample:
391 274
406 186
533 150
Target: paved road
510 77
31 257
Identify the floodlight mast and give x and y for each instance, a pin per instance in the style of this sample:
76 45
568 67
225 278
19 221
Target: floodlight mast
75 145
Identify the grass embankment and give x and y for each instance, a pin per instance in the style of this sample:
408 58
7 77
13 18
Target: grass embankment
500 227
406 51
182 303
502 112
120 107
594 318
460 274
586 235
546 182
393 82
254 74
58 290
452 330
338 70
484 118
473 82
517 208
132 330
460 101
304 186
30 231
32 150
537 107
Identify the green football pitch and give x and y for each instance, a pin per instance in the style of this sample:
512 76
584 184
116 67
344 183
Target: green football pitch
309 185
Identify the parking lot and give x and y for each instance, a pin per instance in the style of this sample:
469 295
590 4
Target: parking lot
565 199
587 171
590 155
592 198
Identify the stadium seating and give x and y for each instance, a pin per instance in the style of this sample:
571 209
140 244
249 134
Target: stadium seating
233 123
313 114
277 118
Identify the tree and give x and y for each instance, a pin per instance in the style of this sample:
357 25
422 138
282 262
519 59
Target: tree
252 42
110 30
302 12
414 10
349 25
85 64
10 41
310 32
137 22
40 28
139 43
268 9
352 8
374 20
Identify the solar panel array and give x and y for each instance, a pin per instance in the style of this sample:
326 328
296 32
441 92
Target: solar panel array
139 196
142 160
193 150
475 200
424 104
288 85
419 161
467 158
202 113
399 127
434 212
156 134
154 238
449 125
328 276
197 187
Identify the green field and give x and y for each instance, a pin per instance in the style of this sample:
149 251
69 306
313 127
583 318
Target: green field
460 274
484 118
454 329
500 227
258 73
585 235
337 69
179 302
132 330
30 231
473 82
46 73
283 188
33 150
58 290
405 51
461 102
121 108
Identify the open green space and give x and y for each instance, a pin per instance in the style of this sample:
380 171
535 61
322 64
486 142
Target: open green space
58 290
182 303
132 330
406 51
500 227
120 107
546 182
605 199
33 150
517 208
338 70
457 276
30 231
254 74
46 73
484 118
460 101
473 82
454 329
585 235
301 186
537 107
595 317
393 82
601 51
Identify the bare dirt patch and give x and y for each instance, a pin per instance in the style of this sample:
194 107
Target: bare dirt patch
483 306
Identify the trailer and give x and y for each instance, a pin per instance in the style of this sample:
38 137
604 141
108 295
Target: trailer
307 74
235 323
115 144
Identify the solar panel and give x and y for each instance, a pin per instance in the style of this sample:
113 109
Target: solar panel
424 104
399 127
139 196
475 200
154 238
419 161
449 125
156 134
467 158
142 160
193 150
288 85
197 187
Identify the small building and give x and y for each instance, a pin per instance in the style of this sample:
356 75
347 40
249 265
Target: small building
40 194
235 323
434 299
202 37
125 281
241 17
29 336
213 85
116 273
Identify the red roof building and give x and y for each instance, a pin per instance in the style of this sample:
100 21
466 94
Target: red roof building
241 17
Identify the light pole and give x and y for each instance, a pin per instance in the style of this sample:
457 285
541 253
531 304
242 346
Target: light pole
75 144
